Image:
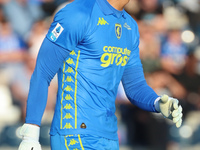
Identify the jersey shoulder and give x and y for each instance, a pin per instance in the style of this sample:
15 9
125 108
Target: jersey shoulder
78 10
71 23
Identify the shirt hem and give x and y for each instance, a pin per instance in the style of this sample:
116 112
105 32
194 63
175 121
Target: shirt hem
111 136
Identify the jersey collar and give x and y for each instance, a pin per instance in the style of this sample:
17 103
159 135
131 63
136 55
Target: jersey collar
107 9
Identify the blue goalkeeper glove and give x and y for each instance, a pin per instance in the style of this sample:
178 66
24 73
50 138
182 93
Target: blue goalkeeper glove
169 108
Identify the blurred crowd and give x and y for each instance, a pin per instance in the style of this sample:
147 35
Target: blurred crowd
169 50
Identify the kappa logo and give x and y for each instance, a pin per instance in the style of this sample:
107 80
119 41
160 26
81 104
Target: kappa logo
118 30
70 61
69 70
69 79
102 21
68 116
73 53
68 126
68 97
68 88
68 106
72 142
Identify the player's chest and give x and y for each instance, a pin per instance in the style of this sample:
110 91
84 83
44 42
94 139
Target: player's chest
108 41
107 31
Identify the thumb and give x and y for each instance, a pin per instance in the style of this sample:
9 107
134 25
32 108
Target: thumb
175 104
164 99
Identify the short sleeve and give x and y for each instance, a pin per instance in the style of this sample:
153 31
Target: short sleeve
68 27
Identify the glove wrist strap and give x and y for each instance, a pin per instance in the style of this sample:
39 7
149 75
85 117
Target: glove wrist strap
29 131
156 104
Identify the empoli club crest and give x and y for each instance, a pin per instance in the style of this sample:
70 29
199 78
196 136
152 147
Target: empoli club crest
118 30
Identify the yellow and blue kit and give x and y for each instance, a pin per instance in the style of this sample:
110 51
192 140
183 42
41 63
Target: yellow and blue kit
92 47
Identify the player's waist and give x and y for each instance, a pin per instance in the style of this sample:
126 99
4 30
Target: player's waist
108 135
83 120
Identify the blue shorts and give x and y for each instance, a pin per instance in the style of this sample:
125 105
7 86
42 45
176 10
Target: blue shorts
82 142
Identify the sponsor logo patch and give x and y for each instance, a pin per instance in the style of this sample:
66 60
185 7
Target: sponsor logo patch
56 32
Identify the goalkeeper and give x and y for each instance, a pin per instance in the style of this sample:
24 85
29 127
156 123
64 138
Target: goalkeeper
92 45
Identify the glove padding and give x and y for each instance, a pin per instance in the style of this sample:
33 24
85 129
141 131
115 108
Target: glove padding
30 137
169 108
29 145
